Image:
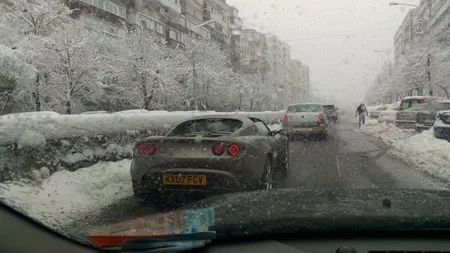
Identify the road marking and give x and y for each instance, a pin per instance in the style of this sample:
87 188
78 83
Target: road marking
338 167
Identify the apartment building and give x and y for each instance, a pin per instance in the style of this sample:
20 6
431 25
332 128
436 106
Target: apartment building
217 10
107 15
163 17
430 19
403 38
234 32
253 58
192 15
300 87
439 17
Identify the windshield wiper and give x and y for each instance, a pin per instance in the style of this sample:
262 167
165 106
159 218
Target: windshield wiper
176 243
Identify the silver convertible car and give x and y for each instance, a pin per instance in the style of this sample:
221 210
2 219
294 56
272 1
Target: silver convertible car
210 154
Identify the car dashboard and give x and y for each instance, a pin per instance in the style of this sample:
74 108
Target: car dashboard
19 233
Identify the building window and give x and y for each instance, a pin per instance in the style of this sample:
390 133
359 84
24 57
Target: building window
173 35
159 28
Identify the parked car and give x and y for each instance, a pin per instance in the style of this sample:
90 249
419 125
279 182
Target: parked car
331 112
389 115
408 102
306 119
442 125
217 154
374 113
409 107
427 116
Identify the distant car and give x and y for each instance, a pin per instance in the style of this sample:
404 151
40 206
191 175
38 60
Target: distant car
389 115
306 119
374 113
217 154
406 117
427 116
331 112
441 126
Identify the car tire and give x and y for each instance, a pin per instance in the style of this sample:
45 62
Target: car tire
268 177
285 163
324 136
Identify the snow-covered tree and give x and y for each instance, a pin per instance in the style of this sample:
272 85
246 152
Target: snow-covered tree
38 17
209 74
16 77
146 70
75 62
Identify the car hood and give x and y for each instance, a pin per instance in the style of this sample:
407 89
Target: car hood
291 211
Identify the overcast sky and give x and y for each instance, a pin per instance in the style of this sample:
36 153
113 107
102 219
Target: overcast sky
336 38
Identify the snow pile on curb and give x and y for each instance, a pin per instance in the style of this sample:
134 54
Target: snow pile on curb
388 133
66 196
47 125
428 153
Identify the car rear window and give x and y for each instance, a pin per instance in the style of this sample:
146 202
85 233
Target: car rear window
406 104
204 126
304 108
328 107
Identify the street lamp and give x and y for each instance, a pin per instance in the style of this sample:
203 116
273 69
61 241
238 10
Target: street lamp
397 3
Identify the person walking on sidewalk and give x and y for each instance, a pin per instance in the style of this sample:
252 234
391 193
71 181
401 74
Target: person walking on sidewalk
361 112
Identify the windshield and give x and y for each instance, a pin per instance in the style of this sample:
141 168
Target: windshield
161 117
304 108
329 108
203 126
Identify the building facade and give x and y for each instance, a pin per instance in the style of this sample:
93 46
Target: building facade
253 59
300 86
172 20
403 38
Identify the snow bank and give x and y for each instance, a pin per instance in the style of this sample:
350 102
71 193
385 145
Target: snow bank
55 126
428 153
66 196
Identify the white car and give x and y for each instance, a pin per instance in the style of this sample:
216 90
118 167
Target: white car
389 115
307 119
441 126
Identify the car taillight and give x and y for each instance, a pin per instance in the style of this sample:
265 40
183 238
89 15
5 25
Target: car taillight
285 119
146 149
321 119
233 150
218 150
421 100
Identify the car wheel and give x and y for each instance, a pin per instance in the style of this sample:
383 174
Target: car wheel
325 136
269 175
285 163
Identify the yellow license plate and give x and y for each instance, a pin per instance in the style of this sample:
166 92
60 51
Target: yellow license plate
176 179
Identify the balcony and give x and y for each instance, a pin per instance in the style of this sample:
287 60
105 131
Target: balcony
107 6
171 4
